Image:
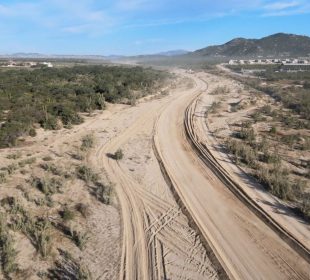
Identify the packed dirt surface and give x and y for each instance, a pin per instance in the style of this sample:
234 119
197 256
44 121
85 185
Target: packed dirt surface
177 219
158 242
217 127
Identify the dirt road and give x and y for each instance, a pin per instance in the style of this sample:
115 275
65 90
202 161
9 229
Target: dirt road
179 220
246 246
158 242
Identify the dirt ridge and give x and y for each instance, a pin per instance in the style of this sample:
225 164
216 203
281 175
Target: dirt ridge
207 157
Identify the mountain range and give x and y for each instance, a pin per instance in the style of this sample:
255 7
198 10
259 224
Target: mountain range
276 45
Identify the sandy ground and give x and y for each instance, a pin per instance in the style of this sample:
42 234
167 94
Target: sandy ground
247 248
158 242
219 126
184 225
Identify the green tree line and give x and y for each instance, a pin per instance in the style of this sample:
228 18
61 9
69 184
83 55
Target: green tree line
52 97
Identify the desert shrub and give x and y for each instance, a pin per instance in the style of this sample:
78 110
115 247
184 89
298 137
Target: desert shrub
268 157
11 168
273 130
46 185
266 109
32 132
68 268
236 108
67 115
10 132
243 151
78 156
103 192
257 117
305 205
119 154
14 156
86 174
67 214
289 139
27 161
7 251
47 158
3 177
37 230
55 97
79 238
214 107
219 90
52 168
277 182
306 144
246 134
88 142
83 209
51 123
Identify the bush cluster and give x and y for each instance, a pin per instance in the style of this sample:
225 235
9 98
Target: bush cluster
54 97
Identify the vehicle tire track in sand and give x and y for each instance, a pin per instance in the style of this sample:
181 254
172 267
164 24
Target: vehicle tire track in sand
212 206
150 222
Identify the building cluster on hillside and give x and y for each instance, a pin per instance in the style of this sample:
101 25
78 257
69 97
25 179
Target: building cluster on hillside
30 64
288 61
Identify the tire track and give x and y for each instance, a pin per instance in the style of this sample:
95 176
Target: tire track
224 263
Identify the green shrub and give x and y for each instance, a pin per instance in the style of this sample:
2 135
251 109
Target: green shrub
79 238
277 182
243 151
68 268
214 107
86 174
273 130
270 158
37 230
15 156
103 192
119 154
67 214
3 177
246 134
87 142
52 97
47 158
7 251
52 168
11 168
52 123
305 205
27 161
83 209
47 186
32 132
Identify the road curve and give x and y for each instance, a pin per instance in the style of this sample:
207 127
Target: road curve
245 246
153 226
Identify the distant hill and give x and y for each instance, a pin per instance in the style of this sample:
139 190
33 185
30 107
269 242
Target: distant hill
277 45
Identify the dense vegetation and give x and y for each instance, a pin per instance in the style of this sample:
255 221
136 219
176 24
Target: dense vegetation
293 93
273 142
54 97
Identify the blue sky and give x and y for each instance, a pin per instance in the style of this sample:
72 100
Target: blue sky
142 26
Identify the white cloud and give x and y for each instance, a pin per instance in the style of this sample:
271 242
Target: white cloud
286 9
281 5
